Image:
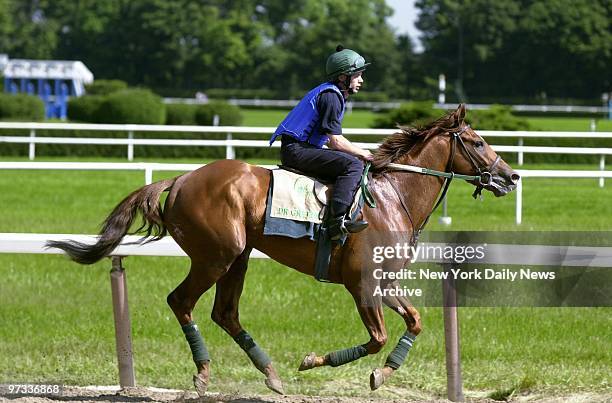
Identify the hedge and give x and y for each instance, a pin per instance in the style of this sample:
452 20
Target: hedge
497 117
21 107
229 115
85 108
138 106
408 114
105 87
181 114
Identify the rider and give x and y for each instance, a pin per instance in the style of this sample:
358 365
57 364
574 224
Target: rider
316 121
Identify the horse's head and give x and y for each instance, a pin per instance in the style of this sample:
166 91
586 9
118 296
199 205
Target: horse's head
462 151
471 155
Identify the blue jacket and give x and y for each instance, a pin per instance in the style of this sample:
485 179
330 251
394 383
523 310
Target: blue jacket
301 122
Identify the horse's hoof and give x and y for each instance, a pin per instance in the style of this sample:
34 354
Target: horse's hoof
276 385
376 379
308 362
200 384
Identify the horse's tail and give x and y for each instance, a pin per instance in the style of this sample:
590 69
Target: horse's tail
144 200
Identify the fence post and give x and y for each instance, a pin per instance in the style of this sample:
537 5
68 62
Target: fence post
32 150
445 219
123 326
130 149
602 167
229 148
148 175
519 201
454 388
520 153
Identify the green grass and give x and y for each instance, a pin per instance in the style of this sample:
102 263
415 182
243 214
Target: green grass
364 118
57 325
569 124
548 204
57 321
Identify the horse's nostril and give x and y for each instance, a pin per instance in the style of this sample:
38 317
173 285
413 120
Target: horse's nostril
515 177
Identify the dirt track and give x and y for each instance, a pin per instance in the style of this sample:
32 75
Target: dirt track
112 395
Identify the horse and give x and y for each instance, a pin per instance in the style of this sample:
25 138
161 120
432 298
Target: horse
216 215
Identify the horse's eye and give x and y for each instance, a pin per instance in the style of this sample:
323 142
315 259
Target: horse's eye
478 144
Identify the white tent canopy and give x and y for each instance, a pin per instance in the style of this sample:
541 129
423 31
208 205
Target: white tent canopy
75 71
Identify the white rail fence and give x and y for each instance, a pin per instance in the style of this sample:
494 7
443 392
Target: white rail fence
230 144
148 168
574 256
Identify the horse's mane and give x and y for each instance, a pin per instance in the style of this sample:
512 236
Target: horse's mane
398 144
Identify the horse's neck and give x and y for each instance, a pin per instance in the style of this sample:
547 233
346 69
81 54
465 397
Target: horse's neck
420 191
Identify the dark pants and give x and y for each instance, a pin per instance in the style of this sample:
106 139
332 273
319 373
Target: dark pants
343 169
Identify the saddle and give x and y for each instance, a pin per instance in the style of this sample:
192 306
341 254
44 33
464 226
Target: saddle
296 196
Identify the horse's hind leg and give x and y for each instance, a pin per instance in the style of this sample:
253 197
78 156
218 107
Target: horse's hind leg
225 314
411 316
182 301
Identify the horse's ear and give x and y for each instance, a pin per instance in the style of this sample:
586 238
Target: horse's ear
460 114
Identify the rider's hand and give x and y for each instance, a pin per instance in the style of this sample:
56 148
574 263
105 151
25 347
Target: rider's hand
367 155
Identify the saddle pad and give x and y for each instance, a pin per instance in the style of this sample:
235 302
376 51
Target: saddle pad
293 197
301 198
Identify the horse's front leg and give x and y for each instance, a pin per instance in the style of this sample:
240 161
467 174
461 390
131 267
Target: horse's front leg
411 316
371 311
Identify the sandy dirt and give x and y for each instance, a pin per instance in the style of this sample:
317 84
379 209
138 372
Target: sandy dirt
141 394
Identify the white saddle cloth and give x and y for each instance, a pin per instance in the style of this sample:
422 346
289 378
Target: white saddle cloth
300 198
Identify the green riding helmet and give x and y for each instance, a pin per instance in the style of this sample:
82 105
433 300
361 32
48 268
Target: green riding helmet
344 61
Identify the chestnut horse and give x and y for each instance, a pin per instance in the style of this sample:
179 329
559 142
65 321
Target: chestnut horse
216 215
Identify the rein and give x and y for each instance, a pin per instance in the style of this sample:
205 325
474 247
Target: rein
484 178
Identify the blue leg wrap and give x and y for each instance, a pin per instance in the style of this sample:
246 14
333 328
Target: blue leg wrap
345 356
255 353
400 352
196 342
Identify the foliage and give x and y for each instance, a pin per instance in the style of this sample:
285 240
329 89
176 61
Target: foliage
497 117
85 108
408 114
241 93
181 114
513 48
136 106
370 96
21 107
538 50
229 115
105 87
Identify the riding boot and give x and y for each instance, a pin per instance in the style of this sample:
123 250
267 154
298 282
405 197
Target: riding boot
338 226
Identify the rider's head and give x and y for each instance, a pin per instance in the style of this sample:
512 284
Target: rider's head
344 68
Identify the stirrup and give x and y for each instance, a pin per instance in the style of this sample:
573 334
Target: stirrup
338 227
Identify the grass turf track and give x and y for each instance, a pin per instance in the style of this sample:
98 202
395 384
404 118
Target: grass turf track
57 320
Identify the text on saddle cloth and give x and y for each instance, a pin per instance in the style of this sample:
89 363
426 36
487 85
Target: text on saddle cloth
301 198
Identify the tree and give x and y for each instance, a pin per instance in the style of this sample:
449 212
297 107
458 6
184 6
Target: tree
519 48
461 36
31 33
564 48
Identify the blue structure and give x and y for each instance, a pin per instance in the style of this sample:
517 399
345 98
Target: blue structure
54 81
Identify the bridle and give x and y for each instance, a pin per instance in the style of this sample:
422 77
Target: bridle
484 177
